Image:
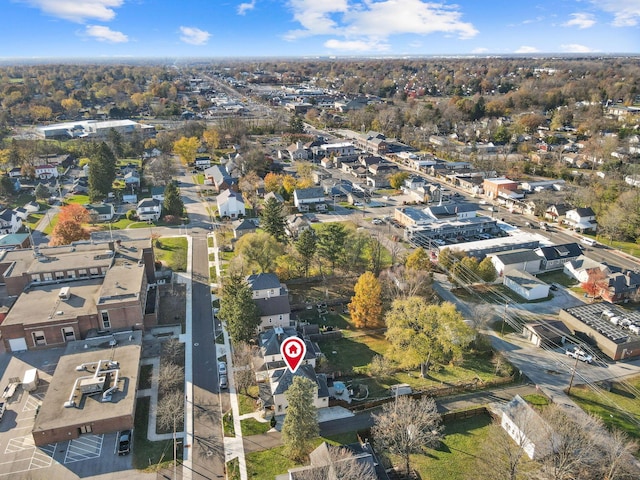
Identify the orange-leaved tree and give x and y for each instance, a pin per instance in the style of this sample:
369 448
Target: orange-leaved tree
69 227
366 304
74 212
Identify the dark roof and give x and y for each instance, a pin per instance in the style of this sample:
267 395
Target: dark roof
549 330
555 252
305 371
7 214
275 195
585 212
516 256
560 208
148 202
263 281
243 224
273 306
309 193
440 211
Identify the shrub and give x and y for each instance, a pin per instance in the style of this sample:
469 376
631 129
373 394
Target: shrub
131 215
172 219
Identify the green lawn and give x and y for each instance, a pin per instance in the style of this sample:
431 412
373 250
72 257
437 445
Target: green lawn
77 199
353 354
251 426
199 179
147 454
227 423
121 224
173 253
601 404
146 372
455 459
247 403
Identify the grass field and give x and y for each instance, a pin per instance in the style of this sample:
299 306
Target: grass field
173 253
603 405
251 426
147 454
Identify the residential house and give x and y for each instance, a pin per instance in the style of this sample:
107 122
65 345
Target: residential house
381 168
296 224
281 379
381 180
151 153
15 172
270 341
297 152
556 213
273 195
581 219
525 426
32 207
525 285
132 180
22 213
583 269
555 256
242 227
332 462
230 204
523 260
305 197
202 162
10 222
100 212
149 209
620 287
157 193
272 299
219 177
46 172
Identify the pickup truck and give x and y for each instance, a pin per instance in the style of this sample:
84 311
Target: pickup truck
2 407
579 354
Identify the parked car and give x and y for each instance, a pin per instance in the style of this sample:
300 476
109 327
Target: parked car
124 442
222 368
223 383
579 354
553 286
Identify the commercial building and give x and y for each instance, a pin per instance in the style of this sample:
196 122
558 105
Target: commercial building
94 129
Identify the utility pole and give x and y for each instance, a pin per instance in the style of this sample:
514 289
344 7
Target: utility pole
573 372
504 319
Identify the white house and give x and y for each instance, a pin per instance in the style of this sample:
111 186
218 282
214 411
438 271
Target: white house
520 259
132 179
582 268
100 212
272 299
10 222
298 152
526 428
308 196
525 285
230 204
581 219
45 172
281 379
149 209
202 162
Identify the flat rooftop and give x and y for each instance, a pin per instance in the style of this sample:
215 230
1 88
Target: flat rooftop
593 315
122 282
41 303
54 415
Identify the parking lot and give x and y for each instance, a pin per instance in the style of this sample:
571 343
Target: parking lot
86 456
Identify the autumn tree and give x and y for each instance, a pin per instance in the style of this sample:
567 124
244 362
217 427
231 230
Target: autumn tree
406 426
69 228
172 204
421 334
418 260
102 172
74 212
397 179
211 137
186 148
366 304
306 246
238 309
272 219
300 425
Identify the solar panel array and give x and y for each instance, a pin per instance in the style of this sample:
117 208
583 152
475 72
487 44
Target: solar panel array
593 316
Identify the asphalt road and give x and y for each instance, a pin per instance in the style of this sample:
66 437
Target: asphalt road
207 451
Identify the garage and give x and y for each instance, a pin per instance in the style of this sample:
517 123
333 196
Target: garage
17 344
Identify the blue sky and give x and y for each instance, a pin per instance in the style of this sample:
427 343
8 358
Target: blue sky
297 28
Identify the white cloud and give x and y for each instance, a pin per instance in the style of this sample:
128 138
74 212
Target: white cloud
527 49
576 48
581 20
356 46
79 10
194 36
245 7
626 13
105 34
374 22
480 50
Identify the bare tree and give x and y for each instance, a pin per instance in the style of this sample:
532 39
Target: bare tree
170 415
242 367
407 426
162 169
170 377
337 463
173 351
380 366
401 282
616 451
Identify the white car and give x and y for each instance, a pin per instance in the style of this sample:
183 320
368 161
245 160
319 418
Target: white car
580 355
222 368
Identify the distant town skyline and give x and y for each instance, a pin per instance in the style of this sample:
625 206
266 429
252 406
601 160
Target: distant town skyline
42 29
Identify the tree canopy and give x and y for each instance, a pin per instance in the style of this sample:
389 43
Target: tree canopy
272 219
238 309
423 334
366 304
259 251
300 425
173 204
306 246
102 172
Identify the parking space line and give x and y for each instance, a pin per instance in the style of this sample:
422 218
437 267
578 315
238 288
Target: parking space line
18 444
84 448
43 457
31 404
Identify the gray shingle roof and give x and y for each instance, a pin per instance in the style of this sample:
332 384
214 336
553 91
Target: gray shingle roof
263 281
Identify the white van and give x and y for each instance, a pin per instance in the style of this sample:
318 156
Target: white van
588 241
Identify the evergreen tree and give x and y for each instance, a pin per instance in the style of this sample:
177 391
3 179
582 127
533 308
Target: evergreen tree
172 204
296 125
115 143
42 192
366 304
331 240
300 425
272 219
238 309
6 186
306 246
102 172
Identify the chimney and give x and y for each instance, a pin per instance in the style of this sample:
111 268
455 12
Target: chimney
112 246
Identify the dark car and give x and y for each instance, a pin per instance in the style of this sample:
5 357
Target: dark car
124 442
223 382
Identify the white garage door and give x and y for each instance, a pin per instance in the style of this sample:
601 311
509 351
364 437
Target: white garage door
17 344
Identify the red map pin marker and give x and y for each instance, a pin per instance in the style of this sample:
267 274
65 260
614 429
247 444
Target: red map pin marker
293 350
